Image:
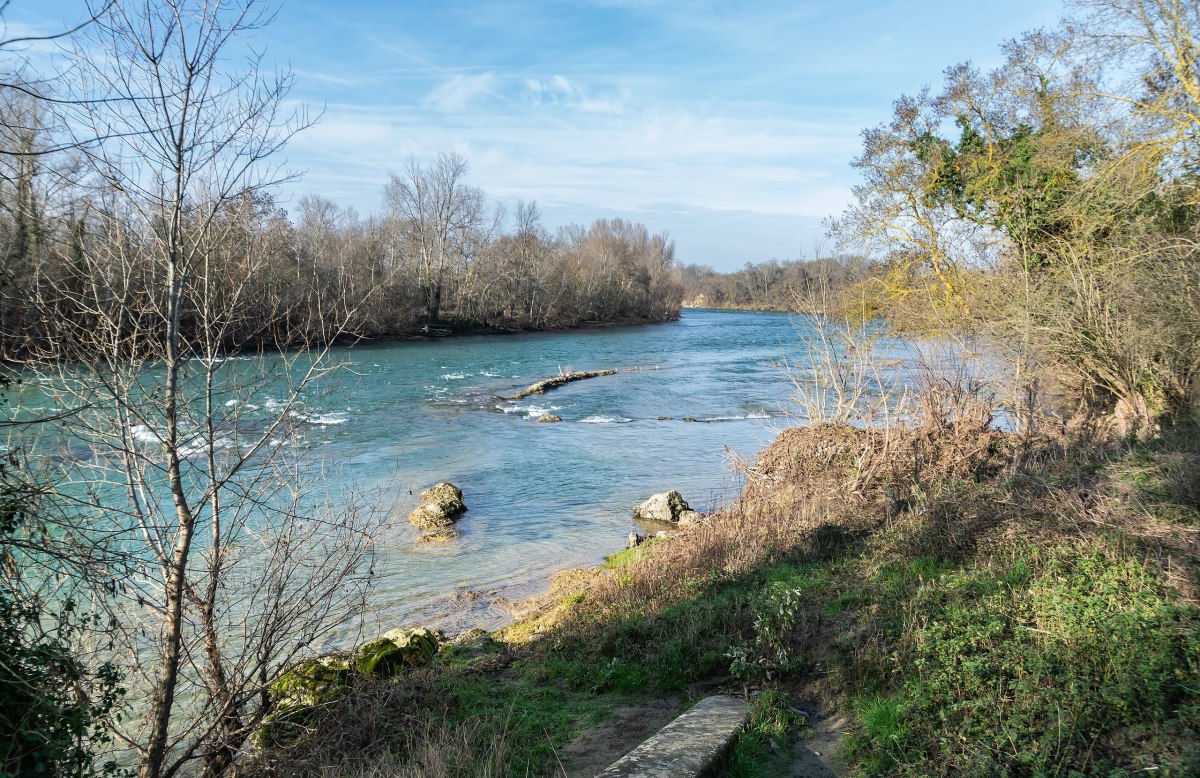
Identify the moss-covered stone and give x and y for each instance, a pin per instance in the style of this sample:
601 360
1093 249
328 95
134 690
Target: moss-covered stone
395 651
298 696
441 505
419 645
312 681
434 515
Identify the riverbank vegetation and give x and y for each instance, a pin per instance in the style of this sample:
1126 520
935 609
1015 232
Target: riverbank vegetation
76 244
970 607
967 600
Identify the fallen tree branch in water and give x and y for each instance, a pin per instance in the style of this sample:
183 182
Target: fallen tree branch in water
560 380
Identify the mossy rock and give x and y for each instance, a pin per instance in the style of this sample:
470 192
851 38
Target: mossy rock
549 418
420 644
441 505
434 515
395 651
299 694
313 681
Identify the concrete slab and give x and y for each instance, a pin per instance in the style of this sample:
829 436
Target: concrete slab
690 746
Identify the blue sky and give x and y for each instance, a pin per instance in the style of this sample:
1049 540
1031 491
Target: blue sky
729 125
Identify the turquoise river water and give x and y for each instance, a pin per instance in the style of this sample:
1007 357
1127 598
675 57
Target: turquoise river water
401 416
543 497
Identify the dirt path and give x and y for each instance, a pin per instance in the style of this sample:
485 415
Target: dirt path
814 755
596 748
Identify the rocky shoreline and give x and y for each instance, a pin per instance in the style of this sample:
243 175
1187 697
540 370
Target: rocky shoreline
313 682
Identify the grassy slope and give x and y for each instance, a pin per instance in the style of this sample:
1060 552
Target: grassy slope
976 616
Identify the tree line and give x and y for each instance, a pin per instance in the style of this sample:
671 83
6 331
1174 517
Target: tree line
775 285
435 259
167 550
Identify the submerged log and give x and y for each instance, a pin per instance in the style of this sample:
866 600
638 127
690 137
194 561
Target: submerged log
560 380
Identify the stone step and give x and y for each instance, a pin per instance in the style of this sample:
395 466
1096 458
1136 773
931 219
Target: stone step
690 746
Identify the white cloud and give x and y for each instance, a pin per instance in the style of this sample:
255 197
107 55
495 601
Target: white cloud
458 92
563 92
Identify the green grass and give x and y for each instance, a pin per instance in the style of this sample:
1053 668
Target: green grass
630 555
1061 660
532 719
762 750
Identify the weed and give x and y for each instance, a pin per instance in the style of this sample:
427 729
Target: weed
1035 668
761 751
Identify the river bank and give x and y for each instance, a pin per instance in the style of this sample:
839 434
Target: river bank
874 580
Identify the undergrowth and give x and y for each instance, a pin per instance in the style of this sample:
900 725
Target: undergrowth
970 615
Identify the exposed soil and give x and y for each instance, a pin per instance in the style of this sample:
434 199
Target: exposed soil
814 756
594 749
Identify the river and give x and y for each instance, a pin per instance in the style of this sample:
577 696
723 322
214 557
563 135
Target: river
543 497
689 398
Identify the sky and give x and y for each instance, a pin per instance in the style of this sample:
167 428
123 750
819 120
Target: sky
728 125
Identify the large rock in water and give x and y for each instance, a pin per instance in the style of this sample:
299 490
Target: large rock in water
434 515
444 492
441 505
665 506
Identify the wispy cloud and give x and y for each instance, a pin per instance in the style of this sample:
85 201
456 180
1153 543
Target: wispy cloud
458 92
729 125
562 91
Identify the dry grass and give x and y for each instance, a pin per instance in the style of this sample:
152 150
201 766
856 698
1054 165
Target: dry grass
883 517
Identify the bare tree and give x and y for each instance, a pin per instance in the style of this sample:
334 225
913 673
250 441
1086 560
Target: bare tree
440 218
234 567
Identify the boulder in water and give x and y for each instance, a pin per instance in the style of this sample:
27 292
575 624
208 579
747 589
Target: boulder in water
664 507
441 505
549 418
444 492
438 535
432 515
